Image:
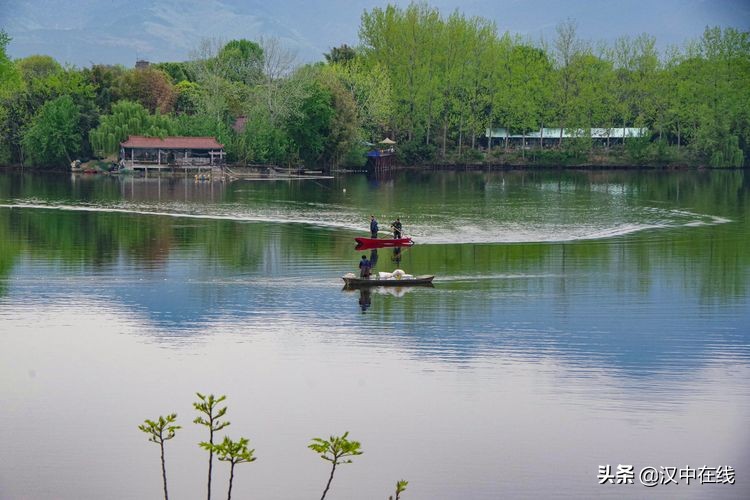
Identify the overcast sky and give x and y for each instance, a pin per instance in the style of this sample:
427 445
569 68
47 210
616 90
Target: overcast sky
83 32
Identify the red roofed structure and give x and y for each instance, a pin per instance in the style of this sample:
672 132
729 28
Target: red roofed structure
143 153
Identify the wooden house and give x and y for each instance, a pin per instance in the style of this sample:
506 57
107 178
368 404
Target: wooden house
154 153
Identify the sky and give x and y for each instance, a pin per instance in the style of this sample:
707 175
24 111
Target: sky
85 32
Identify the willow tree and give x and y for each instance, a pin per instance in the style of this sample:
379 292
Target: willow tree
128 118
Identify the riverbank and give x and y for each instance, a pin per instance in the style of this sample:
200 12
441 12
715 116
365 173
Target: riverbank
636 154
649 156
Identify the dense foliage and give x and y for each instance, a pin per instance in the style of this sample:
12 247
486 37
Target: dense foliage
433 83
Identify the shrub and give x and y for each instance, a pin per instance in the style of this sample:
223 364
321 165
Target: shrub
416 152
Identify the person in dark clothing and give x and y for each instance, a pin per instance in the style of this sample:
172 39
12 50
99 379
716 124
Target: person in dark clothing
373 227
364 267
397 229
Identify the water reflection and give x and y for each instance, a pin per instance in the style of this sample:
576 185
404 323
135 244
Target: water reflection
520 350
365 293
396 257
374 259
679 292
365 298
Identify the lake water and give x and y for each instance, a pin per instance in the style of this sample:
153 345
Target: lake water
578 319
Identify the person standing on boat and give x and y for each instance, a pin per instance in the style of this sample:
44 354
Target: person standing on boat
397 229
364 267
373 227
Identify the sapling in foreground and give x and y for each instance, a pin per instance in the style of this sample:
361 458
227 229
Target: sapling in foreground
336 449
234 452
159 431
208 407
400 488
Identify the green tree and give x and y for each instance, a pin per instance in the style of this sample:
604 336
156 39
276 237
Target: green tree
234 452
241 61
177 71
38 67
22 103
261 143
10 83
406 43
568 47
400 488
159 431
528 96
187 100
340 55
54 135
10 78
210 415
128 118
221 97
150 87
337 450
726 71
343 130
106 82
370 89
310 131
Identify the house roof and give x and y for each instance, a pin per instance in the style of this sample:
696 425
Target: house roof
137 141
552 133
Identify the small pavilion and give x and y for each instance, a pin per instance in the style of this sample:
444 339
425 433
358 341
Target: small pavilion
383 156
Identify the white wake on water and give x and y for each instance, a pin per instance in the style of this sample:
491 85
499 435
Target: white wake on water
443 230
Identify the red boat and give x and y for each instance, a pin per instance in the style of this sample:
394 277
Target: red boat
366 243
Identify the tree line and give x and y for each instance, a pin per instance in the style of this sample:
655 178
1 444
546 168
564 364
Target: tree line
434 83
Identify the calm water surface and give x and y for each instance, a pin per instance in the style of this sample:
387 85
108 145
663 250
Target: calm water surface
578 319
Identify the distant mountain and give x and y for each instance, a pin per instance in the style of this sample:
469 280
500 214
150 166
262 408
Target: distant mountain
120 31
